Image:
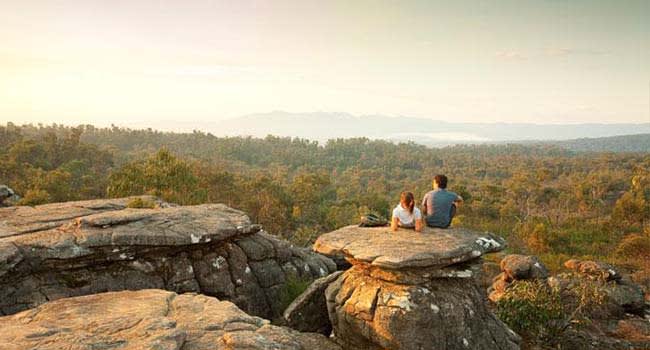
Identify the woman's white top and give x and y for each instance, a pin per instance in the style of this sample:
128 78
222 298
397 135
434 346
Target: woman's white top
406 218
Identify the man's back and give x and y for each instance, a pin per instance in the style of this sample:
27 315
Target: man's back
439 204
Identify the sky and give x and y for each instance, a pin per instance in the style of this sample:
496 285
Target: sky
146 63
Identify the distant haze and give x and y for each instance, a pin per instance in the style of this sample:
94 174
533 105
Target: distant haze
324 126
181 64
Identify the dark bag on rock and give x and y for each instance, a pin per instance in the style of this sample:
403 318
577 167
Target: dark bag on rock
372 220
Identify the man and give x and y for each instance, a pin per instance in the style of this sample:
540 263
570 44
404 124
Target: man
440 205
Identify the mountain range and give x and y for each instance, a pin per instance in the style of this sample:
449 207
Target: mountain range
323 126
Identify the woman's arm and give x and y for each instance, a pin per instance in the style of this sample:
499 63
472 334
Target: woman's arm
418 224
394 223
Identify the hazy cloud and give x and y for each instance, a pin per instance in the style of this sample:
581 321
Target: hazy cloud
511 55
567 51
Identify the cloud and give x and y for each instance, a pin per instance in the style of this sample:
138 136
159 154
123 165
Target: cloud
559 52
511 55
567 51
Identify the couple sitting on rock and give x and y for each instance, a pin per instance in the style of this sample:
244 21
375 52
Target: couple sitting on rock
439 206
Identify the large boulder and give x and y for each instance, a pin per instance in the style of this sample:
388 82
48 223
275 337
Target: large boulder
516 267
60 250
148 319
594 269
410 290
523 267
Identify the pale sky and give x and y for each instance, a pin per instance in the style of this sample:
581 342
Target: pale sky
140 62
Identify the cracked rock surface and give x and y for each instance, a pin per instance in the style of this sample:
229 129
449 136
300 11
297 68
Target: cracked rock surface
69 249
409 290
148 319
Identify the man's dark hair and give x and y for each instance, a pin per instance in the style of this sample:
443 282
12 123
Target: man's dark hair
441 180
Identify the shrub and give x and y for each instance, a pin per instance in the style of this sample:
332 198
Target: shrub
532 309
634 247
542 314
140 203
293 287
35 197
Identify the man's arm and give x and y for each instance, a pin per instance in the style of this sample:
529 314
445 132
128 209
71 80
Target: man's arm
459 200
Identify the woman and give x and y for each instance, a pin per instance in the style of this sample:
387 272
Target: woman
406 214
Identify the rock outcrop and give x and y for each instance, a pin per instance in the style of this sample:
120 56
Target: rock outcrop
623 295
68 249
409 290
148 319
595 269
516 267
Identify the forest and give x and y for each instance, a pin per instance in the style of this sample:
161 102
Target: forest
544 199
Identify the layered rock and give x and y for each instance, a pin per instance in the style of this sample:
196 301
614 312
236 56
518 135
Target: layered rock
409 290
148 319
77 248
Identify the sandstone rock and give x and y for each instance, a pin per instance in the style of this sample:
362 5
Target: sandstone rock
78 248
308 312
594 269
623 296
515 267
523 267
445 313
148 319
409 290
636 330
498 287
626 295
431 248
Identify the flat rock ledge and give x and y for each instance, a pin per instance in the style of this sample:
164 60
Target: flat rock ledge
380 247
409 290
69 249
148 319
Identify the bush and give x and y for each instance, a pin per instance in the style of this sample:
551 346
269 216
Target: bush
542 314
634 247
532 309
293 287
35 197
140 203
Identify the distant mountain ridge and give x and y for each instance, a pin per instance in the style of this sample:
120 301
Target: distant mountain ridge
623 143
323 126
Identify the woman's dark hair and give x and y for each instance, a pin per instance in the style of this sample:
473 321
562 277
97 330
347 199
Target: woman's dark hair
407 200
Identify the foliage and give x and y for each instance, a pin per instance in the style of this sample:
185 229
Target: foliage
542 314
140 203
52 168
635 249
292 289
532 309
161 175
542 199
